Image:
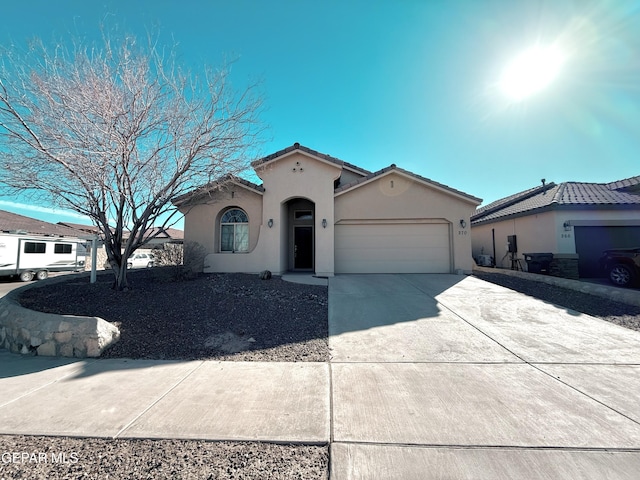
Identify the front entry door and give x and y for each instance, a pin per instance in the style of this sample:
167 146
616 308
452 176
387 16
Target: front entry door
303 248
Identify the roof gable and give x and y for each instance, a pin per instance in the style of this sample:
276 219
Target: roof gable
214 186
394 169
297 148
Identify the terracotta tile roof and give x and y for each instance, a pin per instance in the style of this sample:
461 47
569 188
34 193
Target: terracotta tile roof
393 167
622 194
315 153
12 222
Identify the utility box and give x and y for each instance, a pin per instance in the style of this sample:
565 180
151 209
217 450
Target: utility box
512 244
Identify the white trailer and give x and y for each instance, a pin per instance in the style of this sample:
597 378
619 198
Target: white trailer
32 256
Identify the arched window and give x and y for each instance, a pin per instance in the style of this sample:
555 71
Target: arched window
234 231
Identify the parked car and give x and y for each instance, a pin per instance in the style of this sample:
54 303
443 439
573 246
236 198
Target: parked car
622 265
141 260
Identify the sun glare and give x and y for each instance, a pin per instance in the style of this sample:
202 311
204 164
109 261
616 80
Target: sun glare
530 72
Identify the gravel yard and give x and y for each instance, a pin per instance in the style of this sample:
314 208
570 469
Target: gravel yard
220 316
71 458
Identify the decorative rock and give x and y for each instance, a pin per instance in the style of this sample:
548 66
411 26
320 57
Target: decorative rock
265 275
29 332
47 349
66 350
62 337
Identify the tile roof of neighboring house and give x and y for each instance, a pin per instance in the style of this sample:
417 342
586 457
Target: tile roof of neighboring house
155 232
619 195
393 167
158 233
315 153
627 185
12 223
92 229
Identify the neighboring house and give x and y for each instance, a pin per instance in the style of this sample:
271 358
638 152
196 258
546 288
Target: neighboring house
157 238
575 221
14 223
155 235
317 213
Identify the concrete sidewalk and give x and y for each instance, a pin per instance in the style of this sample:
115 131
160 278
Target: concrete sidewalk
432 376
208 400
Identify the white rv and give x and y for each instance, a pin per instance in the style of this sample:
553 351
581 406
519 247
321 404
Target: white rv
32 256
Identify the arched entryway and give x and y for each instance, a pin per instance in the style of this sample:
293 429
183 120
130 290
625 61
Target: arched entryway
301 214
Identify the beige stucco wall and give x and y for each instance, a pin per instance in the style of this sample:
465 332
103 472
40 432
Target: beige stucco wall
543 232
313 180
202 222
534 234
396 195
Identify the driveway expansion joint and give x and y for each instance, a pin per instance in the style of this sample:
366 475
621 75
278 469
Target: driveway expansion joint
491 447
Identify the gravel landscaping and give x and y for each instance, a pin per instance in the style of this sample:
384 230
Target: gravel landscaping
219 316
71 458
627 316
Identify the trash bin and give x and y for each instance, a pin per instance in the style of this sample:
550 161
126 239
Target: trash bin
538 262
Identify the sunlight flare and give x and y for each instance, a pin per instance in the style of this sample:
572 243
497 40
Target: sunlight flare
531 72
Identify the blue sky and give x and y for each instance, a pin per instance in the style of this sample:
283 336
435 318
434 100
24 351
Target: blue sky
415 83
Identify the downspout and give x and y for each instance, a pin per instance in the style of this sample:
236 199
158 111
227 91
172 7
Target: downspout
493 239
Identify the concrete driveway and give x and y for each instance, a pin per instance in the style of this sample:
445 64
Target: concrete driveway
442 376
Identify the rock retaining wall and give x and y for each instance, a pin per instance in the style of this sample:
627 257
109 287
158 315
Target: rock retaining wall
36 333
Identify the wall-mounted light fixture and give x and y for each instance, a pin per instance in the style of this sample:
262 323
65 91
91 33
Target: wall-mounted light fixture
567 226
324 223
463 224
270 222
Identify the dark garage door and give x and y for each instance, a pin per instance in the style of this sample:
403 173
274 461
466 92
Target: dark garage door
592 241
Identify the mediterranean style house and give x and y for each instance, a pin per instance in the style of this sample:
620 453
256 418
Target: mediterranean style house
316 213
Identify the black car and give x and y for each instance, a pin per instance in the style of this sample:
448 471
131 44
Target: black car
622 265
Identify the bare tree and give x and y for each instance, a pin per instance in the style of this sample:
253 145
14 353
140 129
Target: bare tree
116 131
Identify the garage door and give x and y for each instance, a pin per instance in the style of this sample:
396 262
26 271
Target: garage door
592 241
392 248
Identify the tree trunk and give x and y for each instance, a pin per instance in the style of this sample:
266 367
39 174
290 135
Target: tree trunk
120 282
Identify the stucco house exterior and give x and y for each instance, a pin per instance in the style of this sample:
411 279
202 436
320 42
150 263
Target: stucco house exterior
316 213
575 221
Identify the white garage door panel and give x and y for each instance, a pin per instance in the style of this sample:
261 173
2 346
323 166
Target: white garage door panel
398 248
